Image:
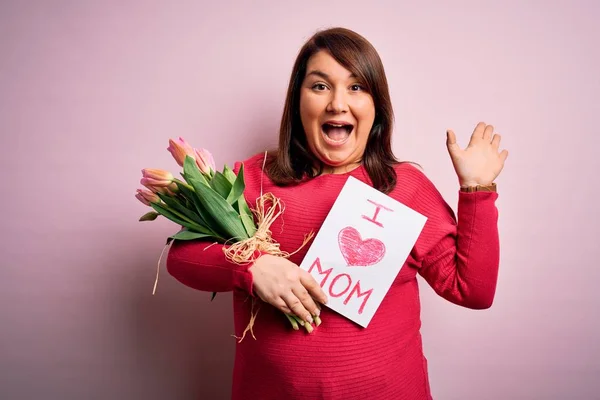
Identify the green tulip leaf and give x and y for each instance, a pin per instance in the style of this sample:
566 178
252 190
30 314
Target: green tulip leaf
229 174
247 217
221 185
188 193
189 235
222 212
192 172
194 217
191 196
172 216
238 187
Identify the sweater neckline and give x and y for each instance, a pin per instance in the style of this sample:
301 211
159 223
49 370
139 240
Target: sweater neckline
355 173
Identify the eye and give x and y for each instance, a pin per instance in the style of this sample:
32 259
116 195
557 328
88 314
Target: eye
319 87
357 87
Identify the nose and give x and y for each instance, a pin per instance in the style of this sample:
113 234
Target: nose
338 103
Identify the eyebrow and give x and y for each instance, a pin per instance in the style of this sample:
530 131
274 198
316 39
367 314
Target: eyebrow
323 74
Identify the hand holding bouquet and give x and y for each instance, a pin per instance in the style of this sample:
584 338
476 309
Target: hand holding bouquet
210 205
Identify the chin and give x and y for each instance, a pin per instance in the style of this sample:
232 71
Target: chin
334 156
336 161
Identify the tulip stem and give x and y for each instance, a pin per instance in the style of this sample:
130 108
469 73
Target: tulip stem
183 183
183 217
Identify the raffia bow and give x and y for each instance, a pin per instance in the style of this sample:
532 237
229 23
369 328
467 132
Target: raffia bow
268 208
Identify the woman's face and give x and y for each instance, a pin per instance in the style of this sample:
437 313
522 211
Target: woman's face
336 112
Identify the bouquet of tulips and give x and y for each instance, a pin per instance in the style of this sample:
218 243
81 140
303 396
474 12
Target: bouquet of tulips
210 205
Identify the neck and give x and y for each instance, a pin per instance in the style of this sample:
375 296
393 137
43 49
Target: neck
342 169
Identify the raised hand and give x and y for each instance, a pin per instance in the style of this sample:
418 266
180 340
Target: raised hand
286 286
480 162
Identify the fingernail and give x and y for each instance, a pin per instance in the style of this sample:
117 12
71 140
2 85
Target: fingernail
317 313
309 319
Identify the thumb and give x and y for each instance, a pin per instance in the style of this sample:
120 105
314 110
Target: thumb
453 147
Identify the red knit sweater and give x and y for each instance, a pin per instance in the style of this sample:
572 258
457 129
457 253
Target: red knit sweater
340 359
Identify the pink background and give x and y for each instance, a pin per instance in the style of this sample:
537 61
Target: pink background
90 92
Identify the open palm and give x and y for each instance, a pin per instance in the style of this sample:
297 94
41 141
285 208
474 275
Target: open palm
481 161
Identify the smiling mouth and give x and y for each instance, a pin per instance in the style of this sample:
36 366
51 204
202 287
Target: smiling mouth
337 134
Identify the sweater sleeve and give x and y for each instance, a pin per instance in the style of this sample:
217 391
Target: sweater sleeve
459 257
202 265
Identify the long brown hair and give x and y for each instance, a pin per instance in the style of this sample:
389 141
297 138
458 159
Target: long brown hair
293 160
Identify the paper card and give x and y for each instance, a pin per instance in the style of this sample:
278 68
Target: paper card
361 247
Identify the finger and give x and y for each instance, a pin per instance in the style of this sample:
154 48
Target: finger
477 133
453 147
479 128
487 133
496 141
503 155
273 300
294 304
313 288
281 305
306 300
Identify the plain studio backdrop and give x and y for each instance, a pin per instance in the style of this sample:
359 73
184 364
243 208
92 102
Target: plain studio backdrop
91 91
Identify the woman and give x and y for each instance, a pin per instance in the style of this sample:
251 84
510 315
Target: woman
337 123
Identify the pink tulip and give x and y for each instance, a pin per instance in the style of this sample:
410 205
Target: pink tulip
205 161
156 177
179 148
146 196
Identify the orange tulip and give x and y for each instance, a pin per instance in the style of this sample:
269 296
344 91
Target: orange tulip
179 148
156 177
146 196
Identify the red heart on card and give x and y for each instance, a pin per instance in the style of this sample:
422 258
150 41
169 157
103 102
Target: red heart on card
359 252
